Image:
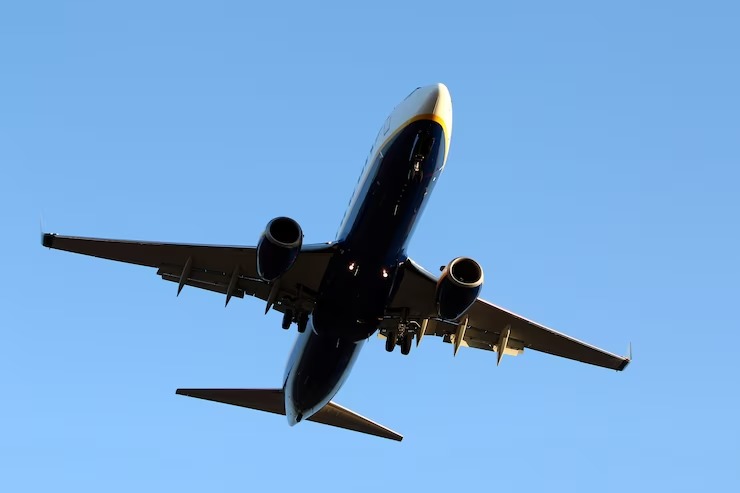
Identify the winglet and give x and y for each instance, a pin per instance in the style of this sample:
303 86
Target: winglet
626 360
41 228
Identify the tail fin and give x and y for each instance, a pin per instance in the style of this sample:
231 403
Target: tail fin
273 401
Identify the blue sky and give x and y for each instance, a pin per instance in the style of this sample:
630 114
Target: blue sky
593 173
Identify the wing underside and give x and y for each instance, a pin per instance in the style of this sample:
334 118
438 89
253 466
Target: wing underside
490 327
231 271
228 270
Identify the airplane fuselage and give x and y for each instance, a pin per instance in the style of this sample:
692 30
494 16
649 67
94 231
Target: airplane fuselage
404 163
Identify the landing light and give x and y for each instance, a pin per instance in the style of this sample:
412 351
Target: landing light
385 273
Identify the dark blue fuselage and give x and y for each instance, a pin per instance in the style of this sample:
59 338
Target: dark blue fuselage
360 278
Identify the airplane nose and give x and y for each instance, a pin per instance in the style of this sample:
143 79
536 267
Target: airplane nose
436 95
437 102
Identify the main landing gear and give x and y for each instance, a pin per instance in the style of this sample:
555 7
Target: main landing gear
301 320
402 336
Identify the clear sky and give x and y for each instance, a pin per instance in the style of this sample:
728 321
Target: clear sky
593 173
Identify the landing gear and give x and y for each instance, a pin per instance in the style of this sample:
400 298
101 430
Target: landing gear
300 318
423 144
287 319
402 336
408 337
390 340
302 322
415 173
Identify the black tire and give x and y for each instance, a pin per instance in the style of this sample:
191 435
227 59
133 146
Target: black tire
408 338
390 341
302 322
287 319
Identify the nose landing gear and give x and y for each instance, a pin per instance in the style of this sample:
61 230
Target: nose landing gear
423 144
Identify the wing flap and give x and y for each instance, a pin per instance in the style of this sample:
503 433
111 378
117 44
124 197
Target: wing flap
208 286
218 280
273 401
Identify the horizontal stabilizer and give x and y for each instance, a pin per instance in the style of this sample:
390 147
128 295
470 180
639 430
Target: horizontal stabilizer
273 401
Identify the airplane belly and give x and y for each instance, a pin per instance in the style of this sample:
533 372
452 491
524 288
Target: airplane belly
359 280
319 366
394 194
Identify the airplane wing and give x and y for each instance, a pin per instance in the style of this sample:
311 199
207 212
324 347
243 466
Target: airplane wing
229 270
489 326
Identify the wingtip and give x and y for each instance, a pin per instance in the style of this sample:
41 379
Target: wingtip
47 239
627 360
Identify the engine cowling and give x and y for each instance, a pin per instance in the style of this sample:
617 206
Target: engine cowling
278 248
458 287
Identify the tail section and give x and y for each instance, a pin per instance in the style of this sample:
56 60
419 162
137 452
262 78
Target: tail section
273 401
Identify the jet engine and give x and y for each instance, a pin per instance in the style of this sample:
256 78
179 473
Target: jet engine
458 287
278 248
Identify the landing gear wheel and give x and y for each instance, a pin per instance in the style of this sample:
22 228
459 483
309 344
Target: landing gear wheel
287 319
408 337
302 322
390 341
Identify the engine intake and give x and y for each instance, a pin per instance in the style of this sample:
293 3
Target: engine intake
278 248
458 287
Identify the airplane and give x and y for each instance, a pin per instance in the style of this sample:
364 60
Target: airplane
339 294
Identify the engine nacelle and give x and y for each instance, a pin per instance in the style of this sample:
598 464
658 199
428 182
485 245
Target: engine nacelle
458 287
278 248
